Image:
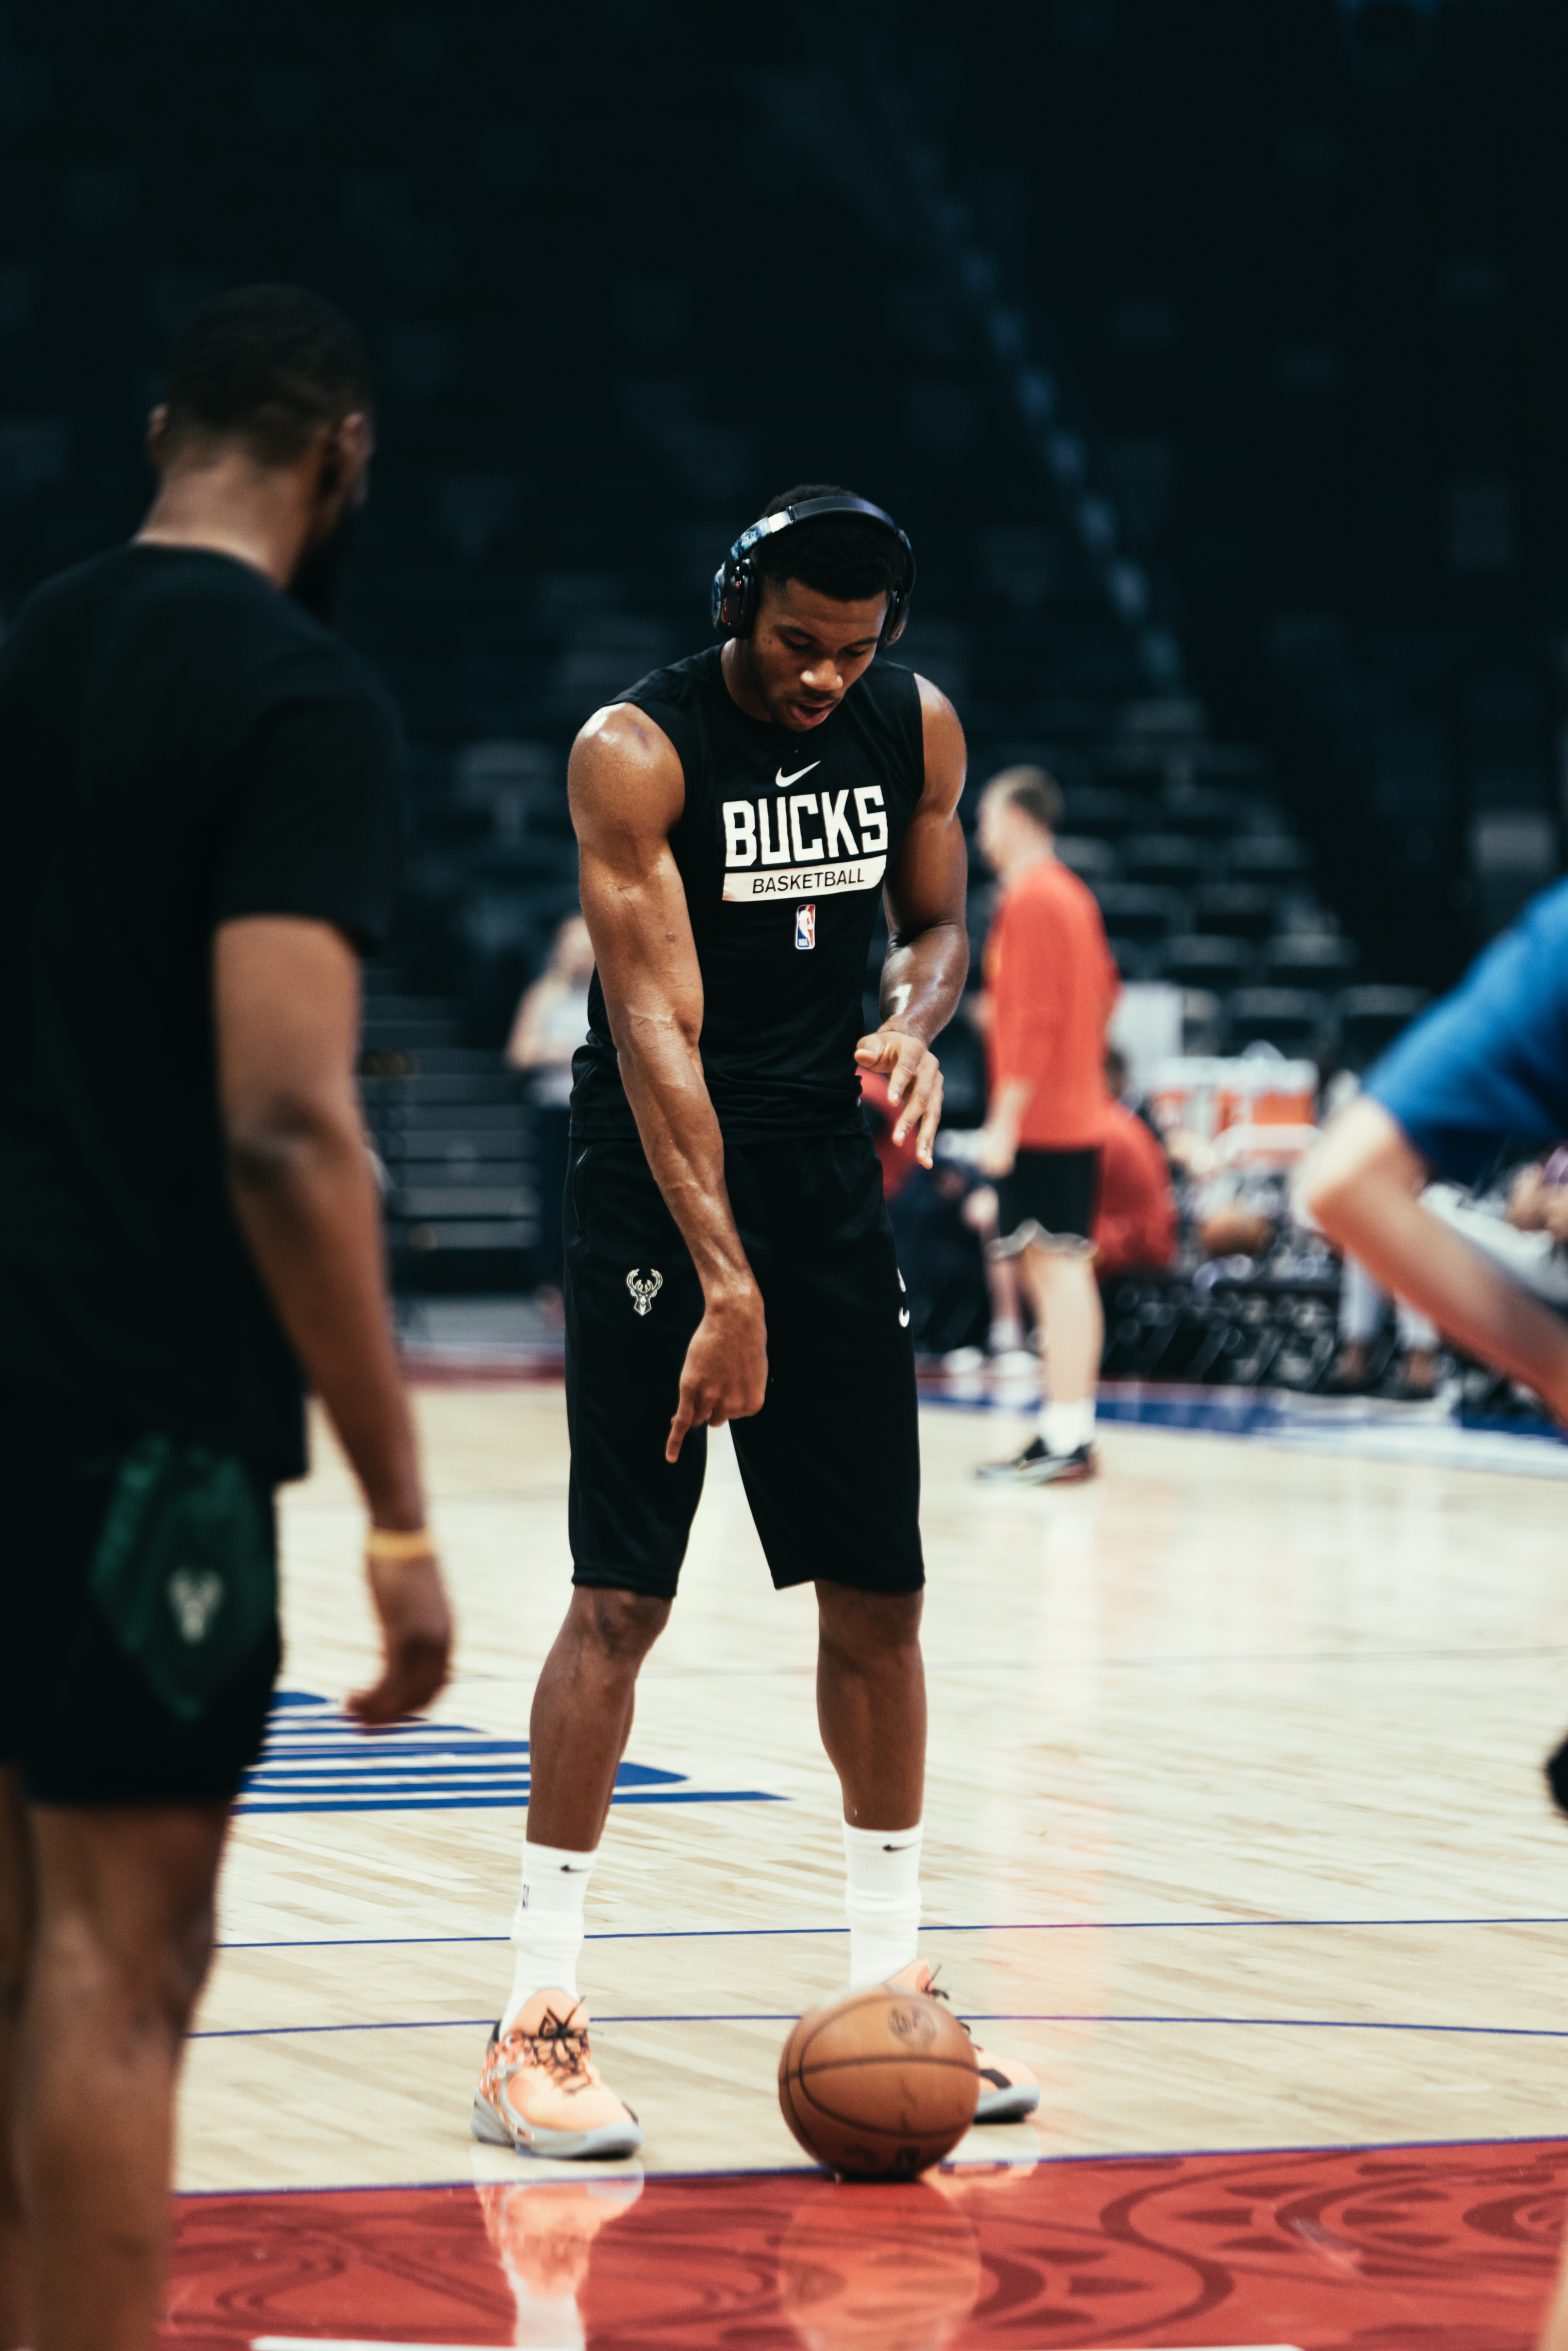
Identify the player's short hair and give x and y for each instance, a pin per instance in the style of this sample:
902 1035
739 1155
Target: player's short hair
267 366
1033 789
846 556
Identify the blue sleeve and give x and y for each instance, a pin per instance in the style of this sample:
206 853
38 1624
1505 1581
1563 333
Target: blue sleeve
1488 1066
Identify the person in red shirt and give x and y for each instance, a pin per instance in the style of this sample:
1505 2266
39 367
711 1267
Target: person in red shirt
1051 983
1135 1215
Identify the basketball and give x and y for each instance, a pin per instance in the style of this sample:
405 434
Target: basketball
878 2085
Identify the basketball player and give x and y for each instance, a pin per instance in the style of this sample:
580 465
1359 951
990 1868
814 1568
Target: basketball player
198 837
1483 1071
728 1254
1051 986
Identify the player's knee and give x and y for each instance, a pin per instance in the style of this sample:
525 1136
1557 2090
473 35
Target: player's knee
864 1629
148 1973
15 1956
621 1626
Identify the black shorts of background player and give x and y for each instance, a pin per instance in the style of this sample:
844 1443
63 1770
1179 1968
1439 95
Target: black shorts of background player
728 1257
200 821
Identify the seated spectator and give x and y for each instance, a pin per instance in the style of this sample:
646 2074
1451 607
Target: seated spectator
1362 1308
1135 1216
552 1021
1538 1196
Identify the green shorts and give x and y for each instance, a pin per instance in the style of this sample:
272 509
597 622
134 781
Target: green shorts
138 1580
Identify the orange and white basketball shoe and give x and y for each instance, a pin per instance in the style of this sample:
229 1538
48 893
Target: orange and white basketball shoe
1008 2090
540 2091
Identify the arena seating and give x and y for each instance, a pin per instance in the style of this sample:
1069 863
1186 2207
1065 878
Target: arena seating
559 475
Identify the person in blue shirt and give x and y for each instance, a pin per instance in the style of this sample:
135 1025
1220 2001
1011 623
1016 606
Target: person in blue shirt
1480 1078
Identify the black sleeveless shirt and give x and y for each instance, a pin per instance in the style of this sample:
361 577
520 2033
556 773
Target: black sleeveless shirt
783 846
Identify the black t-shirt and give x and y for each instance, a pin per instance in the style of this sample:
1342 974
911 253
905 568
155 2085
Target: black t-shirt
180 744
783 845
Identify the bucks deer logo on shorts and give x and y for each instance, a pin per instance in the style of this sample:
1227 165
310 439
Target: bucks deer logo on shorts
195 1595
644 1287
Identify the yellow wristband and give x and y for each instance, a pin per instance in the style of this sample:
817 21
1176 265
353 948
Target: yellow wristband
388 1544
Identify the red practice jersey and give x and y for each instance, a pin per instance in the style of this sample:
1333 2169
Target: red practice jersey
1052 982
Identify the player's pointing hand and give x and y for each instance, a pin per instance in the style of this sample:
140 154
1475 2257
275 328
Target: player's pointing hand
725 1375
914 1084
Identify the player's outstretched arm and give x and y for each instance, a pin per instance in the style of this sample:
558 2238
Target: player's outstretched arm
1362 1185
627 792
287 1009
928 953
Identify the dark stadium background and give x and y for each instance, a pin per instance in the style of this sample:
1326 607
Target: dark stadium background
1210 353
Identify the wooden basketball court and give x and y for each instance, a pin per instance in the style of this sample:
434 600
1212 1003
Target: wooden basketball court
1236 1832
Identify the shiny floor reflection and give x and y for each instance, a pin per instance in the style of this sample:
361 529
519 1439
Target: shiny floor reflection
1364 2250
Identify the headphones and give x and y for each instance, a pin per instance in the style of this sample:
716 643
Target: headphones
735 585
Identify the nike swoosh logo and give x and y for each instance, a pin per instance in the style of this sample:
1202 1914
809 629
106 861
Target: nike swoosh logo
781 779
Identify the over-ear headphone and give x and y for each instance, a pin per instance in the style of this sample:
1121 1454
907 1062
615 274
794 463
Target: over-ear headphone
735 586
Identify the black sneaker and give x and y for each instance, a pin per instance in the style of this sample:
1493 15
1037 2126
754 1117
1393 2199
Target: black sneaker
1034 1466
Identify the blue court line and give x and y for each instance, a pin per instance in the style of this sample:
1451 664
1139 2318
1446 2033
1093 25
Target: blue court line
768 2171
248 1806
1185 1408
1050 1926
1315 2024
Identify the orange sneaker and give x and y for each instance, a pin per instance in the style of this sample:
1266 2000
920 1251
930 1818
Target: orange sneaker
1008 2090
540 2091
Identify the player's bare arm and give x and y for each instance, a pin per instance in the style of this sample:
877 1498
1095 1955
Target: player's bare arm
627 792
1363 1186
287 1003
928 954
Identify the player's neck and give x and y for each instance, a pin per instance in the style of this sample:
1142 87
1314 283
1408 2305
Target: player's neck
234 508
1026 860
736 672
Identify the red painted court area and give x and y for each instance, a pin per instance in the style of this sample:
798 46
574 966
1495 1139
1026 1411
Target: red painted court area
1448 2249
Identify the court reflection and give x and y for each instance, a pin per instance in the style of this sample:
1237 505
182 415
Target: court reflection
1324 2248
799 2260
903 2278
543 2233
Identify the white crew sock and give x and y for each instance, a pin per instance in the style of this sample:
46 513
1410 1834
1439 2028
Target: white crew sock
881 1901
1064 1427
1007 1335
547 1925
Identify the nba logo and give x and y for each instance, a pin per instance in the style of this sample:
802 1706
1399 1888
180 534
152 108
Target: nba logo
805 926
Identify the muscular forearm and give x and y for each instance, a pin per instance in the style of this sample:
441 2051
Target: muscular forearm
661 1068
307 1203
1413 1253
922 980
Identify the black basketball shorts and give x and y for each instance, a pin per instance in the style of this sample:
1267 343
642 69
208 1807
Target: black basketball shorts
831 1464
138 1616
1048 1200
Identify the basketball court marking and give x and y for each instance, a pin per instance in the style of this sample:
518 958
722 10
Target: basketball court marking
316 1758
990 1926
1274 2249
1138 1707
1420 1435
785 2016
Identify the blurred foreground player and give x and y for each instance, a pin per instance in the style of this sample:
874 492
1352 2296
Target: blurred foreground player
1485 1069
1051 987
728 1256
198 837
